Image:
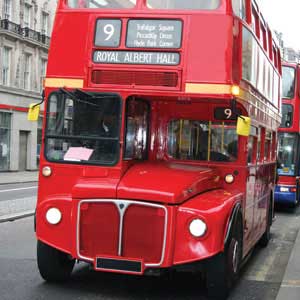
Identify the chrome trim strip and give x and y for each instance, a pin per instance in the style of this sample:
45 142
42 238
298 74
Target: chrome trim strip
122 211
127 203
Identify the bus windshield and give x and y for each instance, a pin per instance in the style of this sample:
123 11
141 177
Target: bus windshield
183 4
202 140
288 82
102 4
83 129
287 153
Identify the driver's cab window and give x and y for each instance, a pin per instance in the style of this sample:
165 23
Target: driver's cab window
137 129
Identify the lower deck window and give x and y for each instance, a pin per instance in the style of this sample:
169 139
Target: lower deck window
199 140
83 128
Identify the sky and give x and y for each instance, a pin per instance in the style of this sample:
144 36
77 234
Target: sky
283 16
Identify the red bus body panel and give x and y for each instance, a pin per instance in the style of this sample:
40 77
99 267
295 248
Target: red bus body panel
161 195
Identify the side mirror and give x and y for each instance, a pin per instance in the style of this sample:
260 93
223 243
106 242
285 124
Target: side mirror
243 126
33 112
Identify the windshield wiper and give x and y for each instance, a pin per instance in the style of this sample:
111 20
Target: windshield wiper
75 98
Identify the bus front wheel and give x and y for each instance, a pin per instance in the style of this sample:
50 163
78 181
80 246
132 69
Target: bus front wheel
223 269
54 265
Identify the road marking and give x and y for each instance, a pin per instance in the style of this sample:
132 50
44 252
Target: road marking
19 189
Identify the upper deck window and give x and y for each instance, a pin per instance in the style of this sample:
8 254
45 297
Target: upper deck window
183 4
288 82
102 4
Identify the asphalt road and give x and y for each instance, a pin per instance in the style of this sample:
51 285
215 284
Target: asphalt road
14 191
19 277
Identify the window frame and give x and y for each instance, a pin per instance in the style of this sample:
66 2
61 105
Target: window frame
50 136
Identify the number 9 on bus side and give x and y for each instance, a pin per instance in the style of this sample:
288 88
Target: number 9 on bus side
108 33
226 113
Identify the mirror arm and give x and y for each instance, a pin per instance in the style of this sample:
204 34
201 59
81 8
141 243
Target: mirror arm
43 100
234 109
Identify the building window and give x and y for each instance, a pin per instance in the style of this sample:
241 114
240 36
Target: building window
5 120
44 25
27 71
43 72
6 59
27 15
7 9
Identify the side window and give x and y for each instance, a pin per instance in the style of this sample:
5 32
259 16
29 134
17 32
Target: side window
268 140
239 8
250 149
274 145
255 22
137 129
253 146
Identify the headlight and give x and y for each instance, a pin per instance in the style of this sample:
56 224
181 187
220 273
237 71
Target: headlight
197 228
53 216
229 178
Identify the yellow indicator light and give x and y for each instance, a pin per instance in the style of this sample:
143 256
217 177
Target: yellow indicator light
235 90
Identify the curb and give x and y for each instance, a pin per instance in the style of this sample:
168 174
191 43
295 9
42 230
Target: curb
290 285
16 182
16 216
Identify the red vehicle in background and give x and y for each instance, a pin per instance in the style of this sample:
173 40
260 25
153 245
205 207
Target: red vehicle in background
287 188
142 169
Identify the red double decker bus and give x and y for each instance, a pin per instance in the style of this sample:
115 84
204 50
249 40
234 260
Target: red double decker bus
142 169
287 188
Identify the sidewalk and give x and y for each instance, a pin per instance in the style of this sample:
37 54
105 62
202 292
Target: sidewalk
290 285
18 177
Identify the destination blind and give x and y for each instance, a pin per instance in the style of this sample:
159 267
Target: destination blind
136 57
154 34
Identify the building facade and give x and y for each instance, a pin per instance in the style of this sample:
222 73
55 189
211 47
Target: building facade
25 27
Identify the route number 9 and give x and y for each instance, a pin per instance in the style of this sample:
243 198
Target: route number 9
109 30
228 113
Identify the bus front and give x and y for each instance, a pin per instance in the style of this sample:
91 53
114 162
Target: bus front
287 189
141 167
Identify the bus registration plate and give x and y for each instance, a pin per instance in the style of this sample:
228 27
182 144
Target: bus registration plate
119 264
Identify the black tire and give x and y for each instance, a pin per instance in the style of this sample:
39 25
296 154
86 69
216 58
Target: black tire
54 265
264 240
223 269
